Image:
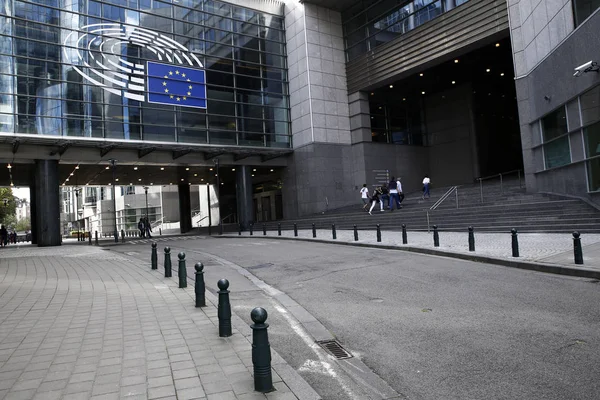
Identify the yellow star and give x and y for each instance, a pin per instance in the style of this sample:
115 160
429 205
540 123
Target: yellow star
188 79
171 96
185 98
189 93
190 87
170 72
176 72
178 99
166 76
183 75
166 90
164 83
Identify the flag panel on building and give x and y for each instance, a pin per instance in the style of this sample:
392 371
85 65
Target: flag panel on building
176 85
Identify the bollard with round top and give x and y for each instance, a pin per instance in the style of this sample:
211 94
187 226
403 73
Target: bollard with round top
577 249
436 237
199 286
90 237
224 309
278 229
96 236
154 257
251 229
355 234
295 230
239 229
168 273
404 236
122 236
314 230
182 271
261 351
471 239
160 231
514 242
264 230
378 233
333 232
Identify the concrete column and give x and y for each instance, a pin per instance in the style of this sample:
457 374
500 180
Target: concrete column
243 192
47 203
185 208
360 121
33 211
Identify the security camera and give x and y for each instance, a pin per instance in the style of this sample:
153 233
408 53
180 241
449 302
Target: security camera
587 67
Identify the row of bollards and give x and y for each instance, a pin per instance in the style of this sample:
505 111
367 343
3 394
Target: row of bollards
261 349
578 252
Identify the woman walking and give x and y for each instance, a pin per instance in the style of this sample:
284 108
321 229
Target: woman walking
376 198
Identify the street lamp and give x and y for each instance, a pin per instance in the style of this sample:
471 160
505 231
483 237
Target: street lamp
112 163
146 190
77 212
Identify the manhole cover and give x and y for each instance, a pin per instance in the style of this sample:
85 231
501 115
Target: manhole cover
335 349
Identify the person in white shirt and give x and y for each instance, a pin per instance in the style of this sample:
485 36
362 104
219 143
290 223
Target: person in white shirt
364 194
395 190
426 182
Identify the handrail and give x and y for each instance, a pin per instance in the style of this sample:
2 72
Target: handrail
441 200
501 182
198 223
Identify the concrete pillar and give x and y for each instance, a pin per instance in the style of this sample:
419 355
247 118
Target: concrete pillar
47 203
243 193
185 208
360 120
33 211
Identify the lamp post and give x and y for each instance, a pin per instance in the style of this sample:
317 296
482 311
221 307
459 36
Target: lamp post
146 191
77 212
219 196
113 165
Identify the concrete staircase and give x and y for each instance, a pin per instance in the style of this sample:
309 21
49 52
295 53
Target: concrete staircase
502 209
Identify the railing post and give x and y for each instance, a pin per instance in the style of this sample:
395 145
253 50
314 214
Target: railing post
481 189
404 236
355 234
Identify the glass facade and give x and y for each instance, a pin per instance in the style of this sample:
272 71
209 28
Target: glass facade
76 68
556 139
368 24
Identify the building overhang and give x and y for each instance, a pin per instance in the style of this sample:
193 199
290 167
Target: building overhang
337 5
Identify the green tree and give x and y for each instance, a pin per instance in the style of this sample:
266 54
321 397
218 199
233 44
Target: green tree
23 225
8 206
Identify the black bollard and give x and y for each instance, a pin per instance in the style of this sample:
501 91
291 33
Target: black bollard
168 273
295 230
239 229
314 229
96 233
90 237
199 287
251 229
264 230
154 257
122 236
355 234
78 236
378 233
333 233
436 237
224 309
182 271
261 351
577 250
471 239
278 229
160 231
404 236
515 243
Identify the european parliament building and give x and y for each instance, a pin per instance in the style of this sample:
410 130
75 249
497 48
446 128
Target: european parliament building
283 108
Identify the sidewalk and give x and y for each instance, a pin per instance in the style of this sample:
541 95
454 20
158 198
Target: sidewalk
80 322
547 252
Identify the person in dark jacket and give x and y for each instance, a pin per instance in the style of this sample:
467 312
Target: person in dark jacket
376 198
3 236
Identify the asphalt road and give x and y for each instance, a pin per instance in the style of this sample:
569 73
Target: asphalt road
432 327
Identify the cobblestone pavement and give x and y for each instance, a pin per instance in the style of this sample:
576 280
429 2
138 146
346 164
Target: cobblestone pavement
81 322
550 247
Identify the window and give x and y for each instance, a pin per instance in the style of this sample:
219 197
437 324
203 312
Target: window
590 106
583 9
556 140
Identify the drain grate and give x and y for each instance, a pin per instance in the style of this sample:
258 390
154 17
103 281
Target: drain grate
335 349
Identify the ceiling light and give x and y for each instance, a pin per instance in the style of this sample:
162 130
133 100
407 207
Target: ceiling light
216 175
201 179
422 92
254 170
222 183
210 169
271 170
170 183
135 168
12 184
187 169
130 184
456 61
404 99
195 174
117 179
380 108
63 184
162 168
497 44
110 184
488 70
107 168
181 179
372 94
67 180
151 183
77 167
140 179
421 74
391 86
372 117
9 166
233 169
87 184
190 183
502 74
453 82
252 174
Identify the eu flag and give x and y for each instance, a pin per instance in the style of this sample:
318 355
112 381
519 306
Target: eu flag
176 85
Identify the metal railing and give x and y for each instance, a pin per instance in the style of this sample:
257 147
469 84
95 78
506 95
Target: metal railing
441 200
500 175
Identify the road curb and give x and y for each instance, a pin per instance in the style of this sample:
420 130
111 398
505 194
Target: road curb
557 269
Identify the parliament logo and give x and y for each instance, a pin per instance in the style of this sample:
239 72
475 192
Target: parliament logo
176 77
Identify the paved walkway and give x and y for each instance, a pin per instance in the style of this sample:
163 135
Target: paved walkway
81 322
551 248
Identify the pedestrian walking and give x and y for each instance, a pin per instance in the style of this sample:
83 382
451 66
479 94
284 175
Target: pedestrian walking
426 183
385 194
394 194
3 236
376 198
147 227
142 228
364 194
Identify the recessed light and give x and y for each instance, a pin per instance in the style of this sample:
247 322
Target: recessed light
63 184
87 184
190 183
135 168
372 117
233 169
372 94
71 174
421 74
162 168
117 179
9 166
130 183
181 179
187 169
77 167
254 170
210 169
110 184
497 44
202 179
140 179
502 74
391 86
170 183
488 70
67 180
222 183
380 108
195 174
252 174
456 61
151 183
107 167
453 82
271 170
422 92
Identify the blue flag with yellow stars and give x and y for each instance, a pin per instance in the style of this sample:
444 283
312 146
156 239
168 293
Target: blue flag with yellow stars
176 85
